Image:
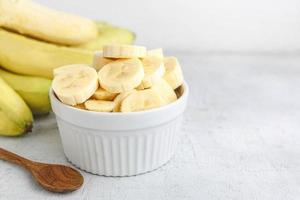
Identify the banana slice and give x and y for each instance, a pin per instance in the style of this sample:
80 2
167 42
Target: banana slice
173 73
124 51
99 61
156 52
75 86
164 90
140 87
67 68
99 105
121 75
118 100
153 69
141 100
80 106
102 94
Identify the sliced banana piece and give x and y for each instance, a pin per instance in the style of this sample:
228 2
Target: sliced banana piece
156 52
173 73
75 86
164 90
99 61
118 100
80 106
141 100
99 105
124 51
121 75
140 87
67 68
102 94
154 69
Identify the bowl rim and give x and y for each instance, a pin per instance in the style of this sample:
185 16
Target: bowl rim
152 110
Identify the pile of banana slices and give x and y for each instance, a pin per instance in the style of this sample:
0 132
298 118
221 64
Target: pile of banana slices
123 78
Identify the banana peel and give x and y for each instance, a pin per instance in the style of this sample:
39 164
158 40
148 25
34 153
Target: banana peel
33 90
24 55
112 35
28 56
30 18
15 116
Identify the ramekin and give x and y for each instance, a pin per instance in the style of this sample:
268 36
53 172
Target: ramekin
119 144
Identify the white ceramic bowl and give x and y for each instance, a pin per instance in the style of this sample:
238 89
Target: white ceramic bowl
119 144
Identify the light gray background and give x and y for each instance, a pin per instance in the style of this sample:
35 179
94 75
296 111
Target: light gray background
240 137
203 25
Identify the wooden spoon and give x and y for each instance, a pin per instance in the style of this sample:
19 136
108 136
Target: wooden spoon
52 177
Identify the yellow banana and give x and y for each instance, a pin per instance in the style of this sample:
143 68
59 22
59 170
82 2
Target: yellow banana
30 18
28 56
24 55
15 116
109 34
33 90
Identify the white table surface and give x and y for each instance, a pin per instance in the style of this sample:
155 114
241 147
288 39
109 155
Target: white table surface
240 139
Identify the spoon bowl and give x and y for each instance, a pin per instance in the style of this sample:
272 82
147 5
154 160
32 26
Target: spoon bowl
57 178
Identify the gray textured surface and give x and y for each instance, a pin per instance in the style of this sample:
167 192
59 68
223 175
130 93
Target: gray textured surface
240 139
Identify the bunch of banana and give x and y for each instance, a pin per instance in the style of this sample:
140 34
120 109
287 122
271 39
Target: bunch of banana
34 40
129 79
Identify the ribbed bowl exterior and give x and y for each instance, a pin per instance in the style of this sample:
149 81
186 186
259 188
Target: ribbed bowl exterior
109 154
119 144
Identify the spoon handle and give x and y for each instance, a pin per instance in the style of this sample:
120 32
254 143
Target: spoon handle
14 158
